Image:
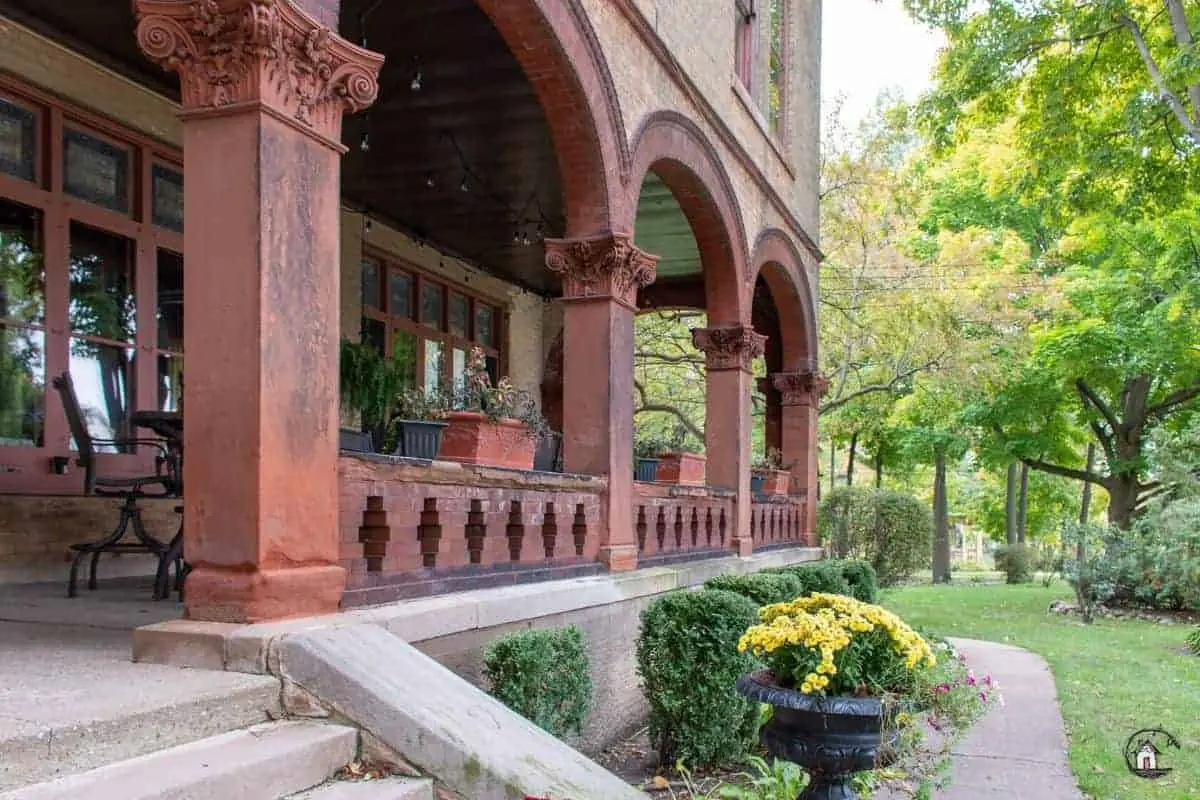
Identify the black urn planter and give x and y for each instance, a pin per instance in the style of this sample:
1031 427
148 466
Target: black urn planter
646 470
831 737
419 439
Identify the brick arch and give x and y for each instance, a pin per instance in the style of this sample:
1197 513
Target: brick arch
781 265
558 49
677 151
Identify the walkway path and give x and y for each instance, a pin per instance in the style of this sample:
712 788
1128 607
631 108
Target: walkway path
1019 750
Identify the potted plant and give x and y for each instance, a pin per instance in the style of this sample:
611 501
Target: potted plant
769 476
415 430
646 452
836 670
368 384
491 425
683 463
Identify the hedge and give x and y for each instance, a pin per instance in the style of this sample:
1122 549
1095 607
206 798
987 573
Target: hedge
763 588
892 530
542 675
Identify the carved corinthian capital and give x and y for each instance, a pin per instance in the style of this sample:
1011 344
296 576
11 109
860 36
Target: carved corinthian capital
800 388
729 346
239 52
604 266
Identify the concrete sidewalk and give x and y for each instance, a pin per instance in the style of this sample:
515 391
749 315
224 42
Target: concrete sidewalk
1019 750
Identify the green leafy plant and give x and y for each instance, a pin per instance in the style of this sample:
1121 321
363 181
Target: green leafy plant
688 660
1193 641
650 445
763 588
543 675
852 577
772 460
1016 562
892 530
369 382
496 402
779 780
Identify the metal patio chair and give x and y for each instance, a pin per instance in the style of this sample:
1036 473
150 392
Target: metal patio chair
128 489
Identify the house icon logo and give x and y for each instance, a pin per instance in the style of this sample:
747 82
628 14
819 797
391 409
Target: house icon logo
1145 750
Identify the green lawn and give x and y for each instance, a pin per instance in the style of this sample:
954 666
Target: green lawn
1113 677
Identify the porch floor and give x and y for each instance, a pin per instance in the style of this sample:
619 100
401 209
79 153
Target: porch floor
71 698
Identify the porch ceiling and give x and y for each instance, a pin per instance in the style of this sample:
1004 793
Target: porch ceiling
662 229
474 119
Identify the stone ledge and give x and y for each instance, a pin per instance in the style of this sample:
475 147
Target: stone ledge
248 648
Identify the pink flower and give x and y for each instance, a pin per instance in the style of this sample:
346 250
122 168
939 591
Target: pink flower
987 680
983 697
970 677
943 688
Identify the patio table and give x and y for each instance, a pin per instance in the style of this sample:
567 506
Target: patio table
168 425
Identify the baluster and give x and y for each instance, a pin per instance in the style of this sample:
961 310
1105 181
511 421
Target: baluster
476 531
708 527
549 530
661 528
374 533
515 531
753 524
695 527
641 529
721 527
579 529
429 532
679 527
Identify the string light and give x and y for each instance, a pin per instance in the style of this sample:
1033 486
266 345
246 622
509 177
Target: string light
429 183
463 186
416 81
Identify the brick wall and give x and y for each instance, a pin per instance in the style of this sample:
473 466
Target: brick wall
35 533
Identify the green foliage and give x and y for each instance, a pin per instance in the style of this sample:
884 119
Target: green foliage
779 780
1016 562
863 580
369 381
1193 641
892 530
688 661
543 676
763 588
1156 564
819 576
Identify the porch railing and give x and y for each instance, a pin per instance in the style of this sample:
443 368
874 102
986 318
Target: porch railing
777 521
677 522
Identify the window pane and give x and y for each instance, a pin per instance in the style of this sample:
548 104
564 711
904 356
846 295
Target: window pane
103 378
404 353
166 187
431 305
22 276
433 366
18 139
22 386
459 315
484 325
369 271
95 170
374 332
458 369
400 293
170 301
101 284
493 369
170 383
775 17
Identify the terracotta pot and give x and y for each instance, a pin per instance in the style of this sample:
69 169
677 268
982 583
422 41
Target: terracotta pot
774 481
471 438
685 469
831 737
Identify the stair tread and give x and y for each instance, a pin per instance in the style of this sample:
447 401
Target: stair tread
384 789
270 760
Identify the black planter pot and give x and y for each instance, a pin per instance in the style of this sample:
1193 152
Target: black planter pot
756 483
831 737
545 457
646 469
419 439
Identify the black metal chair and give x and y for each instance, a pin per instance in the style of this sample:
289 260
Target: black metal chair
129 489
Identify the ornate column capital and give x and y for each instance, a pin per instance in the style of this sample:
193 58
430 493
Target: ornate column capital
268 53
602 266
729 346
800 388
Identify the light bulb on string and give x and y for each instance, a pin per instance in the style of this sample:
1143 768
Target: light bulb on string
429 180
416 81
525 239
364 144
463 186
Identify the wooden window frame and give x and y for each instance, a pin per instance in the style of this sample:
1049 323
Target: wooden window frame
745 41
27 469
386 264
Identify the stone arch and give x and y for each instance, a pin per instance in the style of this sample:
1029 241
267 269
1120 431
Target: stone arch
675 149
777 259
558 49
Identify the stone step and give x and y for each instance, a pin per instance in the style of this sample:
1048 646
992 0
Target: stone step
385 789
263 762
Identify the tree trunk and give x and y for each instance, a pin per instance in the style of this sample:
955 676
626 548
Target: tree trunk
832 464
850 463
1122 499
1082 587
1023 504
879 468
1010 505
941 522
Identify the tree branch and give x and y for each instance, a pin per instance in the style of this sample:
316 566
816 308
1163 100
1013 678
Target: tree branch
1091 398
1066 472
1187 43
1174 399
1160 81
645 407
875 387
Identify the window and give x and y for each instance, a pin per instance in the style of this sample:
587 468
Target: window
777 65
745 25
91 280
426 324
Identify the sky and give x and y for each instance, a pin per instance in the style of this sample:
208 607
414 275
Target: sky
867 47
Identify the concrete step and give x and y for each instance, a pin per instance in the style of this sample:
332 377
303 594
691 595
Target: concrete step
263 762
386 789
72 701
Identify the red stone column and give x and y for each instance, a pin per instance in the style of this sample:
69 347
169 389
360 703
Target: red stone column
730 351
800 395
264 87
601 277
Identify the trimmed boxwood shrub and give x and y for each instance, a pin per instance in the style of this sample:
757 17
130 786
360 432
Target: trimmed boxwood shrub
763 588
1016 562
864 584
543 676
688 661
848 576
892 530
